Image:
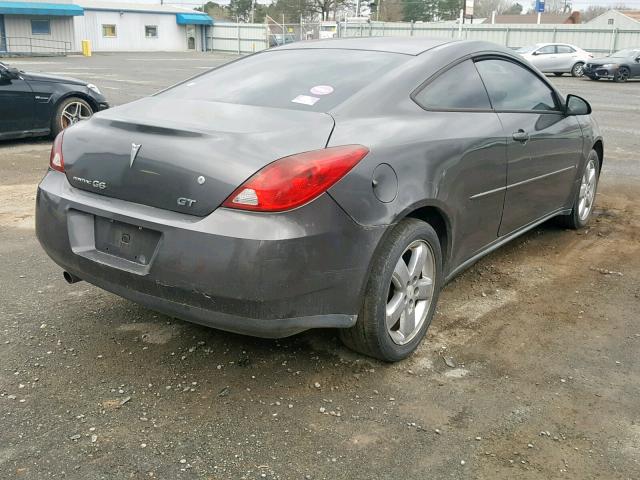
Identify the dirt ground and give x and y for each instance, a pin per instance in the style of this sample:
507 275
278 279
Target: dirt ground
541 341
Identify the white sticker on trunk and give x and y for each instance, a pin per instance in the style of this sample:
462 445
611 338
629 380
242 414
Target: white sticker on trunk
305 100
321 90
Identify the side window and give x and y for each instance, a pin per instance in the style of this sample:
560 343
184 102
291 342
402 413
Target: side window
565 49
512 87
459 87
546 50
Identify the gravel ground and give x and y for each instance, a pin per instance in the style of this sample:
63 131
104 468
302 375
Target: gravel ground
530 369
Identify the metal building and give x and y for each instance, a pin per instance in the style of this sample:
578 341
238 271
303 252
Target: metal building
59 26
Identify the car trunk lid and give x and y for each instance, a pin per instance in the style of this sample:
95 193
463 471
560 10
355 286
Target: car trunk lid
184 155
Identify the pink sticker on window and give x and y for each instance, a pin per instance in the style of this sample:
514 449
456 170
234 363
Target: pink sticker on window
321 90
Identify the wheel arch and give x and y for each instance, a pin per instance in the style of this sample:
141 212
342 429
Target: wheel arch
439 220
429 213
75 94
598 146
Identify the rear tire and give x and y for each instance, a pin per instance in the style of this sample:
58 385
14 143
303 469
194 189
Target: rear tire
69 112
577 70
392 289
585 197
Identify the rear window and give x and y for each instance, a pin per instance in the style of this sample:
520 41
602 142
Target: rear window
308 79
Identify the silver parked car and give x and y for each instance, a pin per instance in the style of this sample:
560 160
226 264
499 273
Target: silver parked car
556 58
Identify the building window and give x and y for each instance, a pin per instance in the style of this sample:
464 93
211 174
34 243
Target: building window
610 21
151 31
109 31
40 27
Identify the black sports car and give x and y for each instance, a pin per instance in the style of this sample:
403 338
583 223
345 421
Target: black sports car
620 66
35 105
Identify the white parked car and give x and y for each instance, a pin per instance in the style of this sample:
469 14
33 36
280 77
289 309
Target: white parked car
557 58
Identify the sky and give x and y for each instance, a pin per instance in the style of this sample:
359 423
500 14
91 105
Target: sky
581 5
577 4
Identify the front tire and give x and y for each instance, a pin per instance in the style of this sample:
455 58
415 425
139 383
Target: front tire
577 70
622 75
401 294
69 112
585 197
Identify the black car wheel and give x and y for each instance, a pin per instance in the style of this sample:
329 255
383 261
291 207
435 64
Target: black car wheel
401 294
622 75
585 196
577 70
594 78
70 111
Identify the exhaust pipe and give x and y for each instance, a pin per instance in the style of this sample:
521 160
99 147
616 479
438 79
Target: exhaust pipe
71 278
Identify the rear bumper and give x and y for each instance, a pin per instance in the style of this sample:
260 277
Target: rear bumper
265 275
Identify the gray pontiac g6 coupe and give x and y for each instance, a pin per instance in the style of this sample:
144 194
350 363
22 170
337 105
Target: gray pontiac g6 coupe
327 184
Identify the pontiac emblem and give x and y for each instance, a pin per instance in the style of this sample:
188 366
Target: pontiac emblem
135 148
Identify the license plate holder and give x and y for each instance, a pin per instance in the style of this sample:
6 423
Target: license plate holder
130 242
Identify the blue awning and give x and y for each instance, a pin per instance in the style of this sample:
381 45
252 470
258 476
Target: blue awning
193 19
33 8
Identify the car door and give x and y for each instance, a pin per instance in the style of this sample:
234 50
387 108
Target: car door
544 58
464 137
565 58
16 104
635 64
543 144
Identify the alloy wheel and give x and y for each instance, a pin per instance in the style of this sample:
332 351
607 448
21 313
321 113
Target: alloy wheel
410 292
578 70
622 75
587 190
74 112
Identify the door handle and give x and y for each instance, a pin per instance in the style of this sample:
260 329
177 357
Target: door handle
521 136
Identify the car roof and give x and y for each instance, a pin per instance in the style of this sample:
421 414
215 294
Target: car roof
403 45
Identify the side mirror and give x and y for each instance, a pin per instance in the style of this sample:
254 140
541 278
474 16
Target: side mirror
535 53
576 105
637 59
10 73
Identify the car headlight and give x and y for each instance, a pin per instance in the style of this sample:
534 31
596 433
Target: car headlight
91 86
610 65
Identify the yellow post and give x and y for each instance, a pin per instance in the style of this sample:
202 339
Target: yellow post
86 48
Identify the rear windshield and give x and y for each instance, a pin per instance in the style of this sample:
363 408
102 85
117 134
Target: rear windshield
307 79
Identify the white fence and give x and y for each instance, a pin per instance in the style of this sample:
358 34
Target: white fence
513 36
245 38
237 37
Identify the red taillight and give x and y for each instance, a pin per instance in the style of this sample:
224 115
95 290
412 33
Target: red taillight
295 180
56 160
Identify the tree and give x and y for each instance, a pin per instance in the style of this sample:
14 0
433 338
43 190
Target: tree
429 10
241 9
594 11
515 9
216 11
389 10
450 10
484 8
